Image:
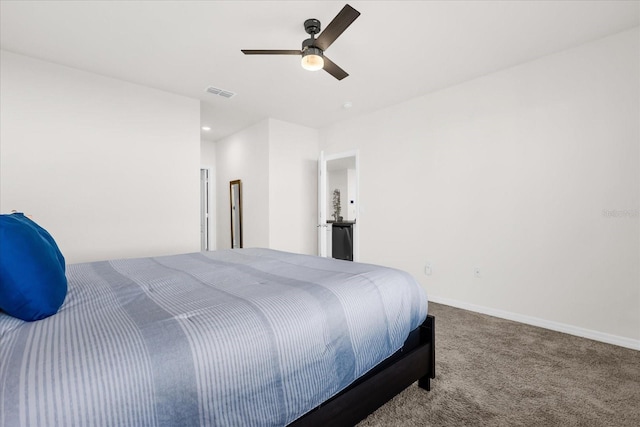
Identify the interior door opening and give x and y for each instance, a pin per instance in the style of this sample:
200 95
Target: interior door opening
338 201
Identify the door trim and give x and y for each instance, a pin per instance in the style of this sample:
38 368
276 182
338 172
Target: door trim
211 218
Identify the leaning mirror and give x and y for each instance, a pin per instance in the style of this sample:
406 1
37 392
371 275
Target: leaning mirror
235 195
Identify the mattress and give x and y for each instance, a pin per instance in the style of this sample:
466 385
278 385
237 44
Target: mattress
243 337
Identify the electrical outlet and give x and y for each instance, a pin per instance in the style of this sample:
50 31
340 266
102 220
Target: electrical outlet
427 269
476 272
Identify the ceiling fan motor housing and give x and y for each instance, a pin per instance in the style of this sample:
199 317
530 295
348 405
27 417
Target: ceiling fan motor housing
309 45
312 26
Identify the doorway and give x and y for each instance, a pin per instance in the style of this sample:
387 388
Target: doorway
338 202
207 200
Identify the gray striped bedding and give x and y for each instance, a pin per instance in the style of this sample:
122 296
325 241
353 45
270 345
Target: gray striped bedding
244 337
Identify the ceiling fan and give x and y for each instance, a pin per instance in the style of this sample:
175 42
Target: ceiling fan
313 48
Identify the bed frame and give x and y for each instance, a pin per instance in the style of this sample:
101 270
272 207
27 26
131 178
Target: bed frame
415 361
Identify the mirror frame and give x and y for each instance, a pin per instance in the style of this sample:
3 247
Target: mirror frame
236 221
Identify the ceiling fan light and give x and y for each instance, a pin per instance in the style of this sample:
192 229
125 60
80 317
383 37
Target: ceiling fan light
312 59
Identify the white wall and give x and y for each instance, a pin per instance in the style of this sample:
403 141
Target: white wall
277 163
245 156
516 173
293 188
350 208
108 167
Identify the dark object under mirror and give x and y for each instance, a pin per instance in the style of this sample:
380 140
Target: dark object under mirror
342 240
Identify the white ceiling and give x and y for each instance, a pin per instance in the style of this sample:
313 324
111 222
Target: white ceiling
394 51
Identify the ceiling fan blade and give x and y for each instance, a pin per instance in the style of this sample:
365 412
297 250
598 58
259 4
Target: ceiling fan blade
271 52
336 27
331 68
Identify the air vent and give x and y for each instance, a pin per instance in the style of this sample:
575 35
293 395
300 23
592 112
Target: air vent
221 92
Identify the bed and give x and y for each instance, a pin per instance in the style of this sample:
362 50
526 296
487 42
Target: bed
243 337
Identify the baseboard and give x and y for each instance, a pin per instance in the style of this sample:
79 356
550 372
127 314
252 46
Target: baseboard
547 324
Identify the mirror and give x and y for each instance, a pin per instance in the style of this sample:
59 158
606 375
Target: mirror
235 195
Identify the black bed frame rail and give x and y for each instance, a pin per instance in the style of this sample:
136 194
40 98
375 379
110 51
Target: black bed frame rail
414 361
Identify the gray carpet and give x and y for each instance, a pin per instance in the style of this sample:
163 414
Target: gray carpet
494 372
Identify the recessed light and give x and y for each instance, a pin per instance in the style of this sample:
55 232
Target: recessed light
206 128
347 105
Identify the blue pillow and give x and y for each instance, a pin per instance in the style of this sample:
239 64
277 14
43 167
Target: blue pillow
43 233
33 284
